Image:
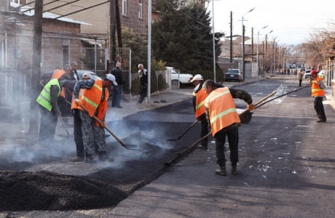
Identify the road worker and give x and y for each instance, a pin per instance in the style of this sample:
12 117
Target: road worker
65 94
318 92
48 101
91 98
224 121
199 96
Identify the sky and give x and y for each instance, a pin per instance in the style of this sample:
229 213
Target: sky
292 21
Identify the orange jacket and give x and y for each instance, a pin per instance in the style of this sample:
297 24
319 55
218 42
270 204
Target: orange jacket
57 74
221 109
200 97
317 91
91 100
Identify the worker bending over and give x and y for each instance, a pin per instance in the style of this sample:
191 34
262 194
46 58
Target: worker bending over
224 121
91 98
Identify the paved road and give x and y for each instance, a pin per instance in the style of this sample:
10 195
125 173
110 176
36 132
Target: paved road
286 166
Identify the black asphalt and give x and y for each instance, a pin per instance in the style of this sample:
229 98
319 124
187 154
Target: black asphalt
286 164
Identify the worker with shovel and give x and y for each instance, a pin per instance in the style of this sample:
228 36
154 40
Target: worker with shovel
48 101
199 96
318 92
91 98
224 121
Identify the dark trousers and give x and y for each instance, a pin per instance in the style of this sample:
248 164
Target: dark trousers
300 80
143 93
77 132
204 129
48 124
117 95
318 106
220 139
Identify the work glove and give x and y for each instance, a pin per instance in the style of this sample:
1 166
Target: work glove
251 107
77 102
103 124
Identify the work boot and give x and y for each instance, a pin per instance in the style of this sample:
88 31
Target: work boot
89 158
102 155
221 171
77 159
203 147
234 170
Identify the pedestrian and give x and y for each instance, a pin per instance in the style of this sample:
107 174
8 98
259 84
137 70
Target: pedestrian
74 73
224 121
117 90
49 108
91 98
318 92
300 76
199 95
143 75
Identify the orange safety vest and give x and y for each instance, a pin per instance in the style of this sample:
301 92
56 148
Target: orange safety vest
221 109
200 97
316 90
91 100
57 74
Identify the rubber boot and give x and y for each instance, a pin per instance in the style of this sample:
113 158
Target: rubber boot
222 171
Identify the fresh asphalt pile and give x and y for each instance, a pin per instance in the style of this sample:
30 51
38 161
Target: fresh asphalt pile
51 191
21 189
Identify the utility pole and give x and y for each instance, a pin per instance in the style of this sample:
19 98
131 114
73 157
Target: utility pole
118 24
231 37
112 41
36 66
252 44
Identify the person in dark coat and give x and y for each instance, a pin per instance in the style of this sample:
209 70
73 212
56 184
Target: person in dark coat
117 90
143 75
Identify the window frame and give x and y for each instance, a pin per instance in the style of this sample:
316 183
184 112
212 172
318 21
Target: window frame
140 9
124 7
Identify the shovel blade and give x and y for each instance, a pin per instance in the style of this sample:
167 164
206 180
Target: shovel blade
246 116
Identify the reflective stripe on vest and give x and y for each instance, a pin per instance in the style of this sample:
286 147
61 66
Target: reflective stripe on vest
316 90
44 99
91 98
201 95
222 109
102 109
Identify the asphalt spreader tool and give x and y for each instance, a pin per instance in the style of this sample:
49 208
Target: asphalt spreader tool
193 124
117 139
186 151
246 115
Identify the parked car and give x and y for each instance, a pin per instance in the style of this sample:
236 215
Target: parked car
233 75
183 78
307 74
82 72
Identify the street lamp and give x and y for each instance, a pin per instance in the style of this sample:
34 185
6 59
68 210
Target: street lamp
243 67
258 48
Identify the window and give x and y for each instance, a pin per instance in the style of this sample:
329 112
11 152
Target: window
140 9
124 7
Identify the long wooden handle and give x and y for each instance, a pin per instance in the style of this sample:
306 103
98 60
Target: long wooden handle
100 122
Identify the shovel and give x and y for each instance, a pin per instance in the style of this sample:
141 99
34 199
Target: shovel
246 115
186 151
63 124
193 124
100 122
